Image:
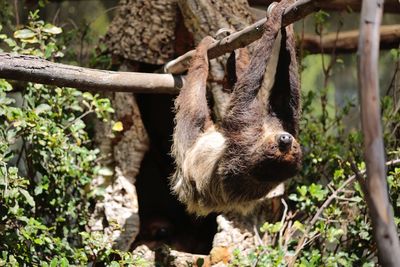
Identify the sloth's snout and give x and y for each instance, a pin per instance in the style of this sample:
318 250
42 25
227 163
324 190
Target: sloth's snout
284 141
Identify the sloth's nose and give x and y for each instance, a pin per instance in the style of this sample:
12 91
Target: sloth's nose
285 141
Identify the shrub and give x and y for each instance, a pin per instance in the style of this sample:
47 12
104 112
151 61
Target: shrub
47 162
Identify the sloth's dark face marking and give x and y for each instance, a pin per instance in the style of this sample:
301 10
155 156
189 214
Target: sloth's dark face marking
280 158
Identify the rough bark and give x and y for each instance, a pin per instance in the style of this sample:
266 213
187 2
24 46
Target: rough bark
131 37
117 215
376 192
143 30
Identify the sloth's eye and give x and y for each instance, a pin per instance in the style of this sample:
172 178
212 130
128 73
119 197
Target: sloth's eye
162 233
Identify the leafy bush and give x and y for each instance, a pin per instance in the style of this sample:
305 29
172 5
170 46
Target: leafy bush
46 165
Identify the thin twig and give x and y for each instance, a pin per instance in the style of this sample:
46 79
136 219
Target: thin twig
283 220
17 21
257 235
78 118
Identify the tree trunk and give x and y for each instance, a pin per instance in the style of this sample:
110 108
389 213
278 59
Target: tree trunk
130 37
376 191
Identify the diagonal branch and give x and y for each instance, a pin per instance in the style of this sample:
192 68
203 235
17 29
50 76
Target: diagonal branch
297 11
391 6
244 37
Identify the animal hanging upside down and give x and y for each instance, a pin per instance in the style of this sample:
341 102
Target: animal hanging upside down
233 165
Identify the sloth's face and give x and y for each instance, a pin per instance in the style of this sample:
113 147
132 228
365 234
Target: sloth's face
280 158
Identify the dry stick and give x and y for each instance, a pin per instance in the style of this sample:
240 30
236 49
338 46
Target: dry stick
35 69
380 210
327 203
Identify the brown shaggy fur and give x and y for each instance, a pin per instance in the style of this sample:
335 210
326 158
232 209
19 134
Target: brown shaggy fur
233 165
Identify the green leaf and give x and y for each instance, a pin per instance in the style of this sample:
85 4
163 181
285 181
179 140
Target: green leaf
87 96
54 262
32 40
42 108
24 34
114 264
299 226
50 28
317 191
38 190
200 262
10 42
302 190
106 171
64 262
118 126
38 241
28 197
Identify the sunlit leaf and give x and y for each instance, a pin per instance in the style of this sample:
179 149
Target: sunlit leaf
50 28
87 95
118 126
42 108
105 171
28 197
24 34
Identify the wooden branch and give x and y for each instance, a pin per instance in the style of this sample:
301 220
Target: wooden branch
391 6
385 232
347 42
355 5
244 37
299 10
35 69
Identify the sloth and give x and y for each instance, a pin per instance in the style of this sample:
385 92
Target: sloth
231 165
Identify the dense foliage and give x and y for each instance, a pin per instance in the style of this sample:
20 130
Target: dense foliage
46 165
